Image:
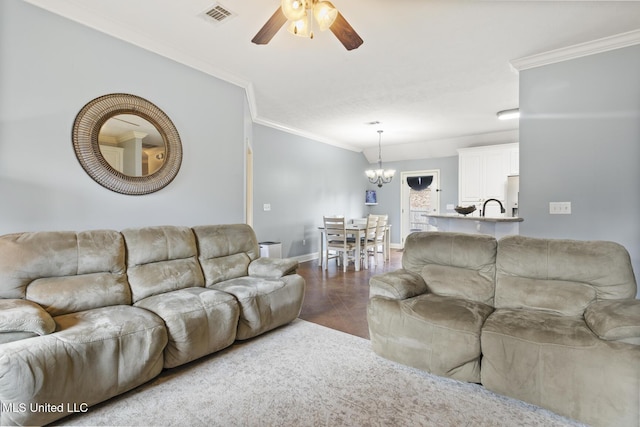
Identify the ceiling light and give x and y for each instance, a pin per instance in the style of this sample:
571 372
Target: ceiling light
380 176
299 13
509 114
325 14
293 9
302 16
301 27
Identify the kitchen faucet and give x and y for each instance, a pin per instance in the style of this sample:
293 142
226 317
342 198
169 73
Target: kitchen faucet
487 201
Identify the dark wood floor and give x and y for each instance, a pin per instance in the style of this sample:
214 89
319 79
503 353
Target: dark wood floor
338 300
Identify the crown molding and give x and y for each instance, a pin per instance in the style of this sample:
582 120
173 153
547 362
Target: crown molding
605 44
76 11
304 134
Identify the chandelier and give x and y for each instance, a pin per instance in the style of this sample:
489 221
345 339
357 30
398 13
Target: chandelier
380 176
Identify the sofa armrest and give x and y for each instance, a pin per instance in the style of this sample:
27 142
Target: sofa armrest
22 316
398 284
272 268
615 320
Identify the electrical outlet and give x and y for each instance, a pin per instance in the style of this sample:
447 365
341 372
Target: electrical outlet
304 242
266 207
450 207
560 208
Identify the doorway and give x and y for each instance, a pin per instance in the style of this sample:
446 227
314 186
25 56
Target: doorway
420 195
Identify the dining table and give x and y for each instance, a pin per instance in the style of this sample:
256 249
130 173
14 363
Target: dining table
357 229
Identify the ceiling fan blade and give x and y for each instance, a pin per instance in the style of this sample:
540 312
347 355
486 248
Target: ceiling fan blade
345 33
270 29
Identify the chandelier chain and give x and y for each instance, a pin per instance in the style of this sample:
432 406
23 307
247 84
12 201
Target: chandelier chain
380 176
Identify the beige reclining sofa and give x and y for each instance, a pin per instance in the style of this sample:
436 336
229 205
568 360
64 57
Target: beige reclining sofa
85 316
550 322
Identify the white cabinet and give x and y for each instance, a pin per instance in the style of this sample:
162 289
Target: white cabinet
482 175
470 182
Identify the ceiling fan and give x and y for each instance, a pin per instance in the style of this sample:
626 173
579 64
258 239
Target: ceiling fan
300 14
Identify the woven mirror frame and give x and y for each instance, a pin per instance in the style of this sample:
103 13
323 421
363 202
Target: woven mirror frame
86 129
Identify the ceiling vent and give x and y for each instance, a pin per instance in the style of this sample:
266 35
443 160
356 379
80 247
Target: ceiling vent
218 14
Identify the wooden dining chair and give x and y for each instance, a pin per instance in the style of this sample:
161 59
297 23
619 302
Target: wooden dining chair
336 236
381 241
368 243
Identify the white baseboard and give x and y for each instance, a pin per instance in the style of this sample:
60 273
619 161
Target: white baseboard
314 255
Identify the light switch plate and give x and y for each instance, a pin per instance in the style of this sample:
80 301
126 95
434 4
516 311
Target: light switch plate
560 208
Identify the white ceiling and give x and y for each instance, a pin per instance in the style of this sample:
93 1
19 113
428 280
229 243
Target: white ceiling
432 72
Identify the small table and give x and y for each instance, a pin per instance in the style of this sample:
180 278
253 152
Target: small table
355 229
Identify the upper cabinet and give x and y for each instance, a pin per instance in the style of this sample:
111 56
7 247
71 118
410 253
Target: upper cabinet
483 172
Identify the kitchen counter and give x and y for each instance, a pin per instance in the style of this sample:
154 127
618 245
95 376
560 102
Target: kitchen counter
494 226
479 218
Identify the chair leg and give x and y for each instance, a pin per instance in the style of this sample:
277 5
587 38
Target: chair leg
383 251
326 260
345 255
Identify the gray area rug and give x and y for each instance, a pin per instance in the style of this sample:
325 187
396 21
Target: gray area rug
304 374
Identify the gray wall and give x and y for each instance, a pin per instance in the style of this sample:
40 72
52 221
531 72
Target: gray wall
580 143
50 67
302 180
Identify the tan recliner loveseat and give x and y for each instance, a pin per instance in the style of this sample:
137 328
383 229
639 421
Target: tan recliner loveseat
85 316
551 322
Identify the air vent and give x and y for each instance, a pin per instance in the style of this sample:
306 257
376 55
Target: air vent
218 14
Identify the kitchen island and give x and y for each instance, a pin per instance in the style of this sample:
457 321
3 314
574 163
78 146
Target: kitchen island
494 226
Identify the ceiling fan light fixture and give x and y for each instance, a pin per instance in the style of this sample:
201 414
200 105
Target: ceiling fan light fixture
301 27
294 9
325 14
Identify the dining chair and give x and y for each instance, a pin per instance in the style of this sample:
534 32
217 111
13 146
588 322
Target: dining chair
336 236
368 240
381 241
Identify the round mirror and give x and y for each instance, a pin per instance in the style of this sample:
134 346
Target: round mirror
127 144
131 145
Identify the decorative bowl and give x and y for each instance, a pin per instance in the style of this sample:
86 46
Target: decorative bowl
465 210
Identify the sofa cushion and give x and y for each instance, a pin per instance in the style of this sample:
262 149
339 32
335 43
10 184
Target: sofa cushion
397 284
555 296
264 303
161 259
18 315
272 268
225 251
225 268
453 264
62 295
557 273
431 332
92 356
458 282
199 321
557 362
540 327
615 320
65 256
